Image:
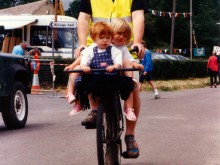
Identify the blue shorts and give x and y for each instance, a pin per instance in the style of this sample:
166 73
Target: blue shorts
147 77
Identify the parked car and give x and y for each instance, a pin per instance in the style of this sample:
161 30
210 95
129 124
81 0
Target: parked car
14 87
161 56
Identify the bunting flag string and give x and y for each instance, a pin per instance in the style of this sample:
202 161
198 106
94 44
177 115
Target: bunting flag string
175 51
168 14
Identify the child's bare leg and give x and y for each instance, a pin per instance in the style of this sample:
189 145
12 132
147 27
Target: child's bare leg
128 104
127 64
128 108
140 86
70 87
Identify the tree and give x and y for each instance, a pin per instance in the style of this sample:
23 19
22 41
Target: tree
73 9
205 17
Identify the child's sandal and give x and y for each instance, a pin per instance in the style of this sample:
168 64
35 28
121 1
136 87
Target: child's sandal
129 113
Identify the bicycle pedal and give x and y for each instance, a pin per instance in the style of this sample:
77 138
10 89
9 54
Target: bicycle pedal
90 127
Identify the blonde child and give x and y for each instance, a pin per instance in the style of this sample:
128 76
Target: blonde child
121 40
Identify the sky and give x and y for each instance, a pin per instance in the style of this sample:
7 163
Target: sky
66 4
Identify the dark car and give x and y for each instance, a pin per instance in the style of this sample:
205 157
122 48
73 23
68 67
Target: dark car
14 87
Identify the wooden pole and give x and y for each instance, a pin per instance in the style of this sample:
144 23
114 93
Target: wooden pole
191 30
55 19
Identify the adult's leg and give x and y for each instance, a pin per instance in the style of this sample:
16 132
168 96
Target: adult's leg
152 84
219 74
131 145
215 78
211 78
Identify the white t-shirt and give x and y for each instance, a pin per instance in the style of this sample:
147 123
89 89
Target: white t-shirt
87 55
125 52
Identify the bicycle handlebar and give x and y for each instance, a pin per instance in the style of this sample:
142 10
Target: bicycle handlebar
134 50
102 70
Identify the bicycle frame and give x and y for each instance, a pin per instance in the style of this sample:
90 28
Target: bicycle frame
109 124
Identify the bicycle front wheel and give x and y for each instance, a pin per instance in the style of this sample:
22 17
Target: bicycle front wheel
108 146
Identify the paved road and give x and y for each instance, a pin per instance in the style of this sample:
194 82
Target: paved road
181 128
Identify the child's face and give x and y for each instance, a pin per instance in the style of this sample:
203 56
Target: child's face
119 39
103 41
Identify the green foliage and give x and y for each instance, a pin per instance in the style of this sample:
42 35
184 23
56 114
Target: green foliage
204 19
73 9
163 70
171 70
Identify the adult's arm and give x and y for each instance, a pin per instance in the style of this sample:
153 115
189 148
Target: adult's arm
138 31
83 31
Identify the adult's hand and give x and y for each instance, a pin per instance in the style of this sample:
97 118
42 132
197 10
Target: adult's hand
78 50
140 48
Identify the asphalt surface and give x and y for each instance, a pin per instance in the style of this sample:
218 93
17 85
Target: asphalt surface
181 128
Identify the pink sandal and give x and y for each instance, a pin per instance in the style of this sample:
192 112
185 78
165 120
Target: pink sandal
129 113
76 109
70 98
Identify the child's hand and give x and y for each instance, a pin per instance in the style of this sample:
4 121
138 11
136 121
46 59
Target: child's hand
69 67
110 68
85 69
135 65
145 73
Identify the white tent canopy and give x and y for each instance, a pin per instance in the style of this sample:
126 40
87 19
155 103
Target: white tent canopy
16 23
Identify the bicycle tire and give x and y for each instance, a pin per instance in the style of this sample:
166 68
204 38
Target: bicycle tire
108 139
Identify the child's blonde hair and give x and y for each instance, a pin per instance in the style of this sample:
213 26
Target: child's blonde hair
121 26
101 28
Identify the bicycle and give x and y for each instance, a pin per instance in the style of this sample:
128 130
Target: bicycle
110 122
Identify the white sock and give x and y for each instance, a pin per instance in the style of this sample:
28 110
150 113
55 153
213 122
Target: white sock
156 92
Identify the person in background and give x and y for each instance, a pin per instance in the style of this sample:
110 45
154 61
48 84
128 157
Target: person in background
20 49
32 52
218 59
146 73
212 68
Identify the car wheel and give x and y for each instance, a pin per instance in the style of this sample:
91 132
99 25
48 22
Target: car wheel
15 115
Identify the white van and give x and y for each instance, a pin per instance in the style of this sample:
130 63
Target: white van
36 30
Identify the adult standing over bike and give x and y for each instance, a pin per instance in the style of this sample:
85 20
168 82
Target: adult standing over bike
106 10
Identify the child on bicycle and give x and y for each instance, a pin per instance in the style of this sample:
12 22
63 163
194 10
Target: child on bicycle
101 54
121 39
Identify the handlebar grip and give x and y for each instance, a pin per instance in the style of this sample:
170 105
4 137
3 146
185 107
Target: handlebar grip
134 50
82 49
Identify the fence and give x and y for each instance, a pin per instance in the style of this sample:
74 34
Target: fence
43 76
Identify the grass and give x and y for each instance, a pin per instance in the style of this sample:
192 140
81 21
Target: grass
175 85
169 85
